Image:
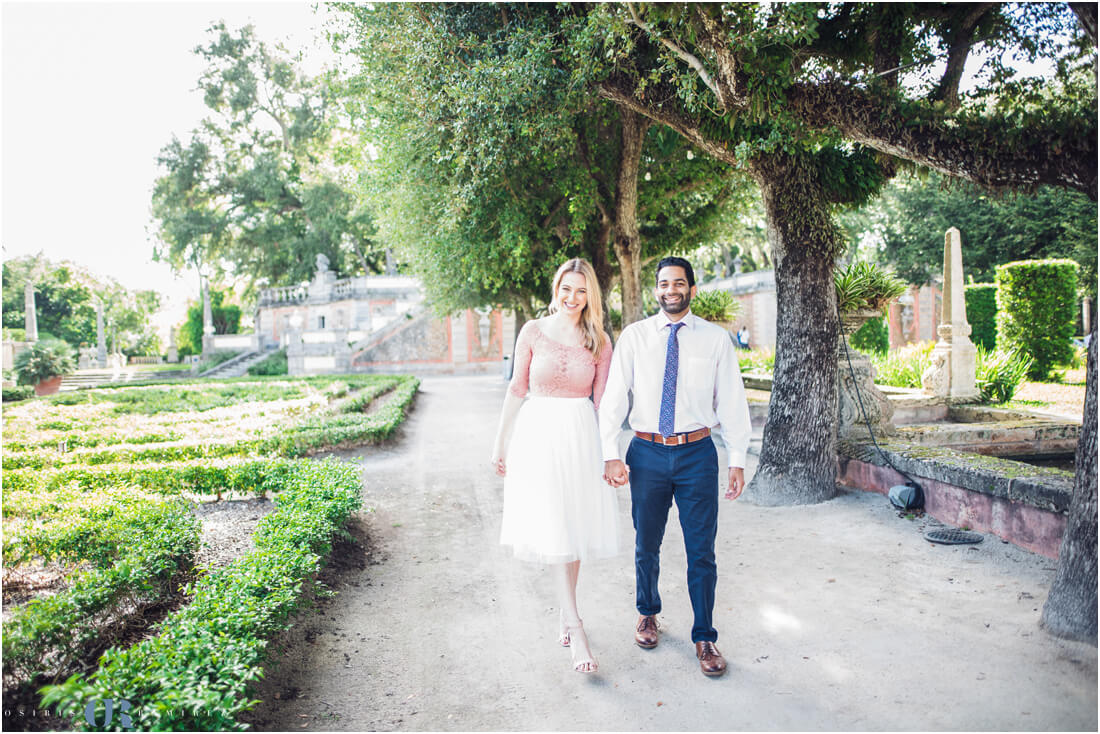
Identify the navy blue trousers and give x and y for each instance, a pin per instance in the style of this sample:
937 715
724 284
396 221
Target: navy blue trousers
687 474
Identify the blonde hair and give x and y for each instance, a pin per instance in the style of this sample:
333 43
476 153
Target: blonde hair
592 316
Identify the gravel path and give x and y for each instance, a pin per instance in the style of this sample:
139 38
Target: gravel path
833 616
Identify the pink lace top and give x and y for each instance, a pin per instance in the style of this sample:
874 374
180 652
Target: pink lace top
547 368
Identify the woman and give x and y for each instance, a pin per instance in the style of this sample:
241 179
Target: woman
557 508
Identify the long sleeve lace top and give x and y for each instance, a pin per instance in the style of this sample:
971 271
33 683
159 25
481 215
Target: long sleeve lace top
547 368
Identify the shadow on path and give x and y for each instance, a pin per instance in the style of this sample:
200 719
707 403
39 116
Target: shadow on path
834 616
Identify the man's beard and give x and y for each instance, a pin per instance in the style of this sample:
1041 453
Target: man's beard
682 306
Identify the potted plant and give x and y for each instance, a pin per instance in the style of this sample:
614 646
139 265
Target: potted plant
717 306
43 364
862 291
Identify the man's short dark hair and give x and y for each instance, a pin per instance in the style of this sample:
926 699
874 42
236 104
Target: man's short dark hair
677 262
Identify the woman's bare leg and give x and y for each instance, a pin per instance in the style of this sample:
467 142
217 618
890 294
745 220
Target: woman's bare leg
565 577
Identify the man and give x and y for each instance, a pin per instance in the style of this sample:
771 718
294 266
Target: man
683 374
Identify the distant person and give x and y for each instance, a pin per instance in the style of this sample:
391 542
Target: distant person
557 508
743 337
683 376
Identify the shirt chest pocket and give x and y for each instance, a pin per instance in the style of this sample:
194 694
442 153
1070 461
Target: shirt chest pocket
697 379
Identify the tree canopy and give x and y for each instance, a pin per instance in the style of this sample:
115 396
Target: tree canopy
65 298
263 185
494 160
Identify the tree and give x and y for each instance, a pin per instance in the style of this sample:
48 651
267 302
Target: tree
499 164
816 92
913 213
65 298
226 318
1070 608
263 186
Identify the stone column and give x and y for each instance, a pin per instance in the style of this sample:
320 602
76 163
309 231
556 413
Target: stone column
207 319
100 336
953 374
173 350
30 316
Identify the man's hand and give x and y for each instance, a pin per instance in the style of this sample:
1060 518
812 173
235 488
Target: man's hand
737 483
615 473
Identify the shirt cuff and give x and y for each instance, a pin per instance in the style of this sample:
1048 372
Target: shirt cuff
736 459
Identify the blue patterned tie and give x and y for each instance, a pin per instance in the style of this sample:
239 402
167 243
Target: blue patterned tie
666 424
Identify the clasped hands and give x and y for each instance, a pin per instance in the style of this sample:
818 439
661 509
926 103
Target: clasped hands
616 474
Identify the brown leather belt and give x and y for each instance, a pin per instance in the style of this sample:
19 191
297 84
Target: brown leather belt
676 439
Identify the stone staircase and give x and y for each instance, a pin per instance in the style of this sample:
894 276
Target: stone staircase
111 377
236 367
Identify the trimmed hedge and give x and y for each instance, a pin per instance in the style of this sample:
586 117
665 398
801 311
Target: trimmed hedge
150 543
873 337
195 673
1036 311
981 312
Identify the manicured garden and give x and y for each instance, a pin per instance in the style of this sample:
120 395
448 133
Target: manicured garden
99 533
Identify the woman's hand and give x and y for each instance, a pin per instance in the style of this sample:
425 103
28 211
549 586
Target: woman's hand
497 462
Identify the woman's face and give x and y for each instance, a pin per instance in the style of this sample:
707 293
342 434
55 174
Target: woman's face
573 293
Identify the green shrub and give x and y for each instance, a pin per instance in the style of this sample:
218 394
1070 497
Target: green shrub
1000 373
1036 308
194 674
149 544
216 358
715 305
873 337
864 285
42 360
756 360
274 364
20 392
903 367
981 312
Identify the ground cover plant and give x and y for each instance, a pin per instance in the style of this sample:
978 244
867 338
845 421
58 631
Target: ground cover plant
98 498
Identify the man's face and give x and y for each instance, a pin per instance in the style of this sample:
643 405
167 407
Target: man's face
672 291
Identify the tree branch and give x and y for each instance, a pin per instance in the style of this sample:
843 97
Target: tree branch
689 59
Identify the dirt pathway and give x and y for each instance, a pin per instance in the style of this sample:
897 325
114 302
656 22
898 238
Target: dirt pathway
835 616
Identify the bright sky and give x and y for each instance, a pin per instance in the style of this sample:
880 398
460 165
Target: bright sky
90 94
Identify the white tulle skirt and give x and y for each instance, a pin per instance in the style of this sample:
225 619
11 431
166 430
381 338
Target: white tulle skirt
557 507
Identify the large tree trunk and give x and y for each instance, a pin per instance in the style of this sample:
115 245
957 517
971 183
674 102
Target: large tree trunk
628 242
1070 609
798 458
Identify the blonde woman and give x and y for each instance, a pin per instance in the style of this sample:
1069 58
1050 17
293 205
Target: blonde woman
557 508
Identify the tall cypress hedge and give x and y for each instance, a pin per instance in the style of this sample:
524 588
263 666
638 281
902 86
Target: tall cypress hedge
981 312
1036 306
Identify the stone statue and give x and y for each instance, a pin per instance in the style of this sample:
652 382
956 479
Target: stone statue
322 262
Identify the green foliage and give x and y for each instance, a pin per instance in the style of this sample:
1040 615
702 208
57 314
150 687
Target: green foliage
756 360
903 367
276 364
136 550
265 184
42 360
1000 373
1036 311
226 318
21 392
981 312
912 215
503 166
65 297
864 285
716 305
873 337
195 672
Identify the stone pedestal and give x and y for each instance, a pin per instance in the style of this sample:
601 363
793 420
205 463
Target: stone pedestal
877 407
953 374
173 350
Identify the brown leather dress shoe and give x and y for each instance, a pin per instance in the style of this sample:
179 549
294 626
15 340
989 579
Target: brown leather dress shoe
710 660
645 634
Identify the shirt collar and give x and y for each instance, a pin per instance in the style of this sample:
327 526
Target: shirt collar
661 320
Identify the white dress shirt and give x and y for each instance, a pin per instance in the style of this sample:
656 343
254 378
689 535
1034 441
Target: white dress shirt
709 390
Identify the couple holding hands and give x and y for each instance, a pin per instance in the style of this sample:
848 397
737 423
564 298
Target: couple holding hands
682 375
